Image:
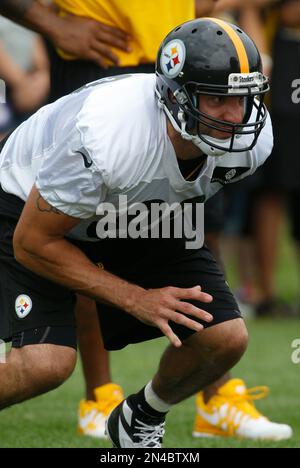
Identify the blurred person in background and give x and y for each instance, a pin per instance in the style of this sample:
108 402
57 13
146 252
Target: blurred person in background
24 68
234 231
256 207
279 190
99 39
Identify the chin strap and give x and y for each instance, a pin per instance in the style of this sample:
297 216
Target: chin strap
210 149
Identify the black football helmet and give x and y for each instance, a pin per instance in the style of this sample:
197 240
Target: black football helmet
209 56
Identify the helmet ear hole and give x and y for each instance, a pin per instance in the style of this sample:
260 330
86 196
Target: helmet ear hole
248 110
191 123
186 119
171 96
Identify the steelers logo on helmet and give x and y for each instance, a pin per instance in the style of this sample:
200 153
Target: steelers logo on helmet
172 58
23 306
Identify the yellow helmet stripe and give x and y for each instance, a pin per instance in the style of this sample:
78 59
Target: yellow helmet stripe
237 42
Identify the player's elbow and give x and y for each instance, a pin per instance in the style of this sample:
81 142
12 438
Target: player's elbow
23 248
20 253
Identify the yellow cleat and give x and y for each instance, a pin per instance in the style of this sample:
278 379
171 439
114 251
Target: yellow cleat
93 414
231 413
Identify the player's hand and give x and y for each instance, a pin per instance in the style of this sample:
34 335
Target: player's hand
156 307
87 39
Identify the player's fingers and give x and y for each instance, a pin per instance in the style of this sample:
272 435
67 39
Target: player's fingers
190 309
181 319
192 293
168 332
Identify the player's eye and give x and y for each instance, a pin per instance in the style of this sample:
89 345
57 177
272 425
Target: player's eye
218 99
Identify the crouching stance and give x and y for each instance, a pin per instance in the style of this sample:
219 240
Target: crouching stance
174 137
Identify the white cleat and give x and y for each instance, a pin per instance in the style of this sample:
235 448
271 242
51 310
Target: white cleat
92 415
231 413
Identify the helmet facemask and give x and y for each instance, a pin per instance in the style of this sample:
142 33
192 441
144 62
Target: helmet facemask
210 57
193 124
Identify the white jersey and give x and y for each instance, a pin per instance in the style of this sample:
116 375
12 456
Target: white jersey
109 139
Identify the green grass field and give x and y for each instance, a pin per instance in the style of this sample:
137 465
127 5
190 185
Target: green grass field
50 420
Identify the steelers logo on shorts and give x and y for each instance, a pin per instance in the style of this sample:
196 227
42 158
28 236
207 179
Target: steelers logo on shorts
23 306
172 58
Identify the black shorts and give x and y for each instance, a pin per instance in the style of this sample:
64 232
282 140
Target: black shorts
214 213
30 302
187 269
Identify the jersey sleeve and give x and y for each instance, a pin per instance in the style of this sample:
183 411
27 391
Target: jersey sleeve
68 178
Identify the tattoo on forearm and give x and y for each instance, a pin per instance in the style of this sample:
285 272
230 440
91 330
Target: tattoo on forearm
44 207
15 8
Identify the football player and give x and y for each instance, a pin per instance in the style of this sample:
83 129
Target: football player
175 136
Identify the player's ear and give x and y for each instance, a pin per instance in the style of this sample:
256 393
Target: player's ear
171 96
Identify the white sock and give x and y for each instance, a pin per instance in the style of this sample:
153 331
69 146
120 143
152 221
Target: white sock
154 401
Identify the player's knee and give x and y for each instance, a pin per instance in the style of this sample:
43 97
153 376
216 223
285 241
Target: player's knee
48 365
224 344
234 340
61 365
